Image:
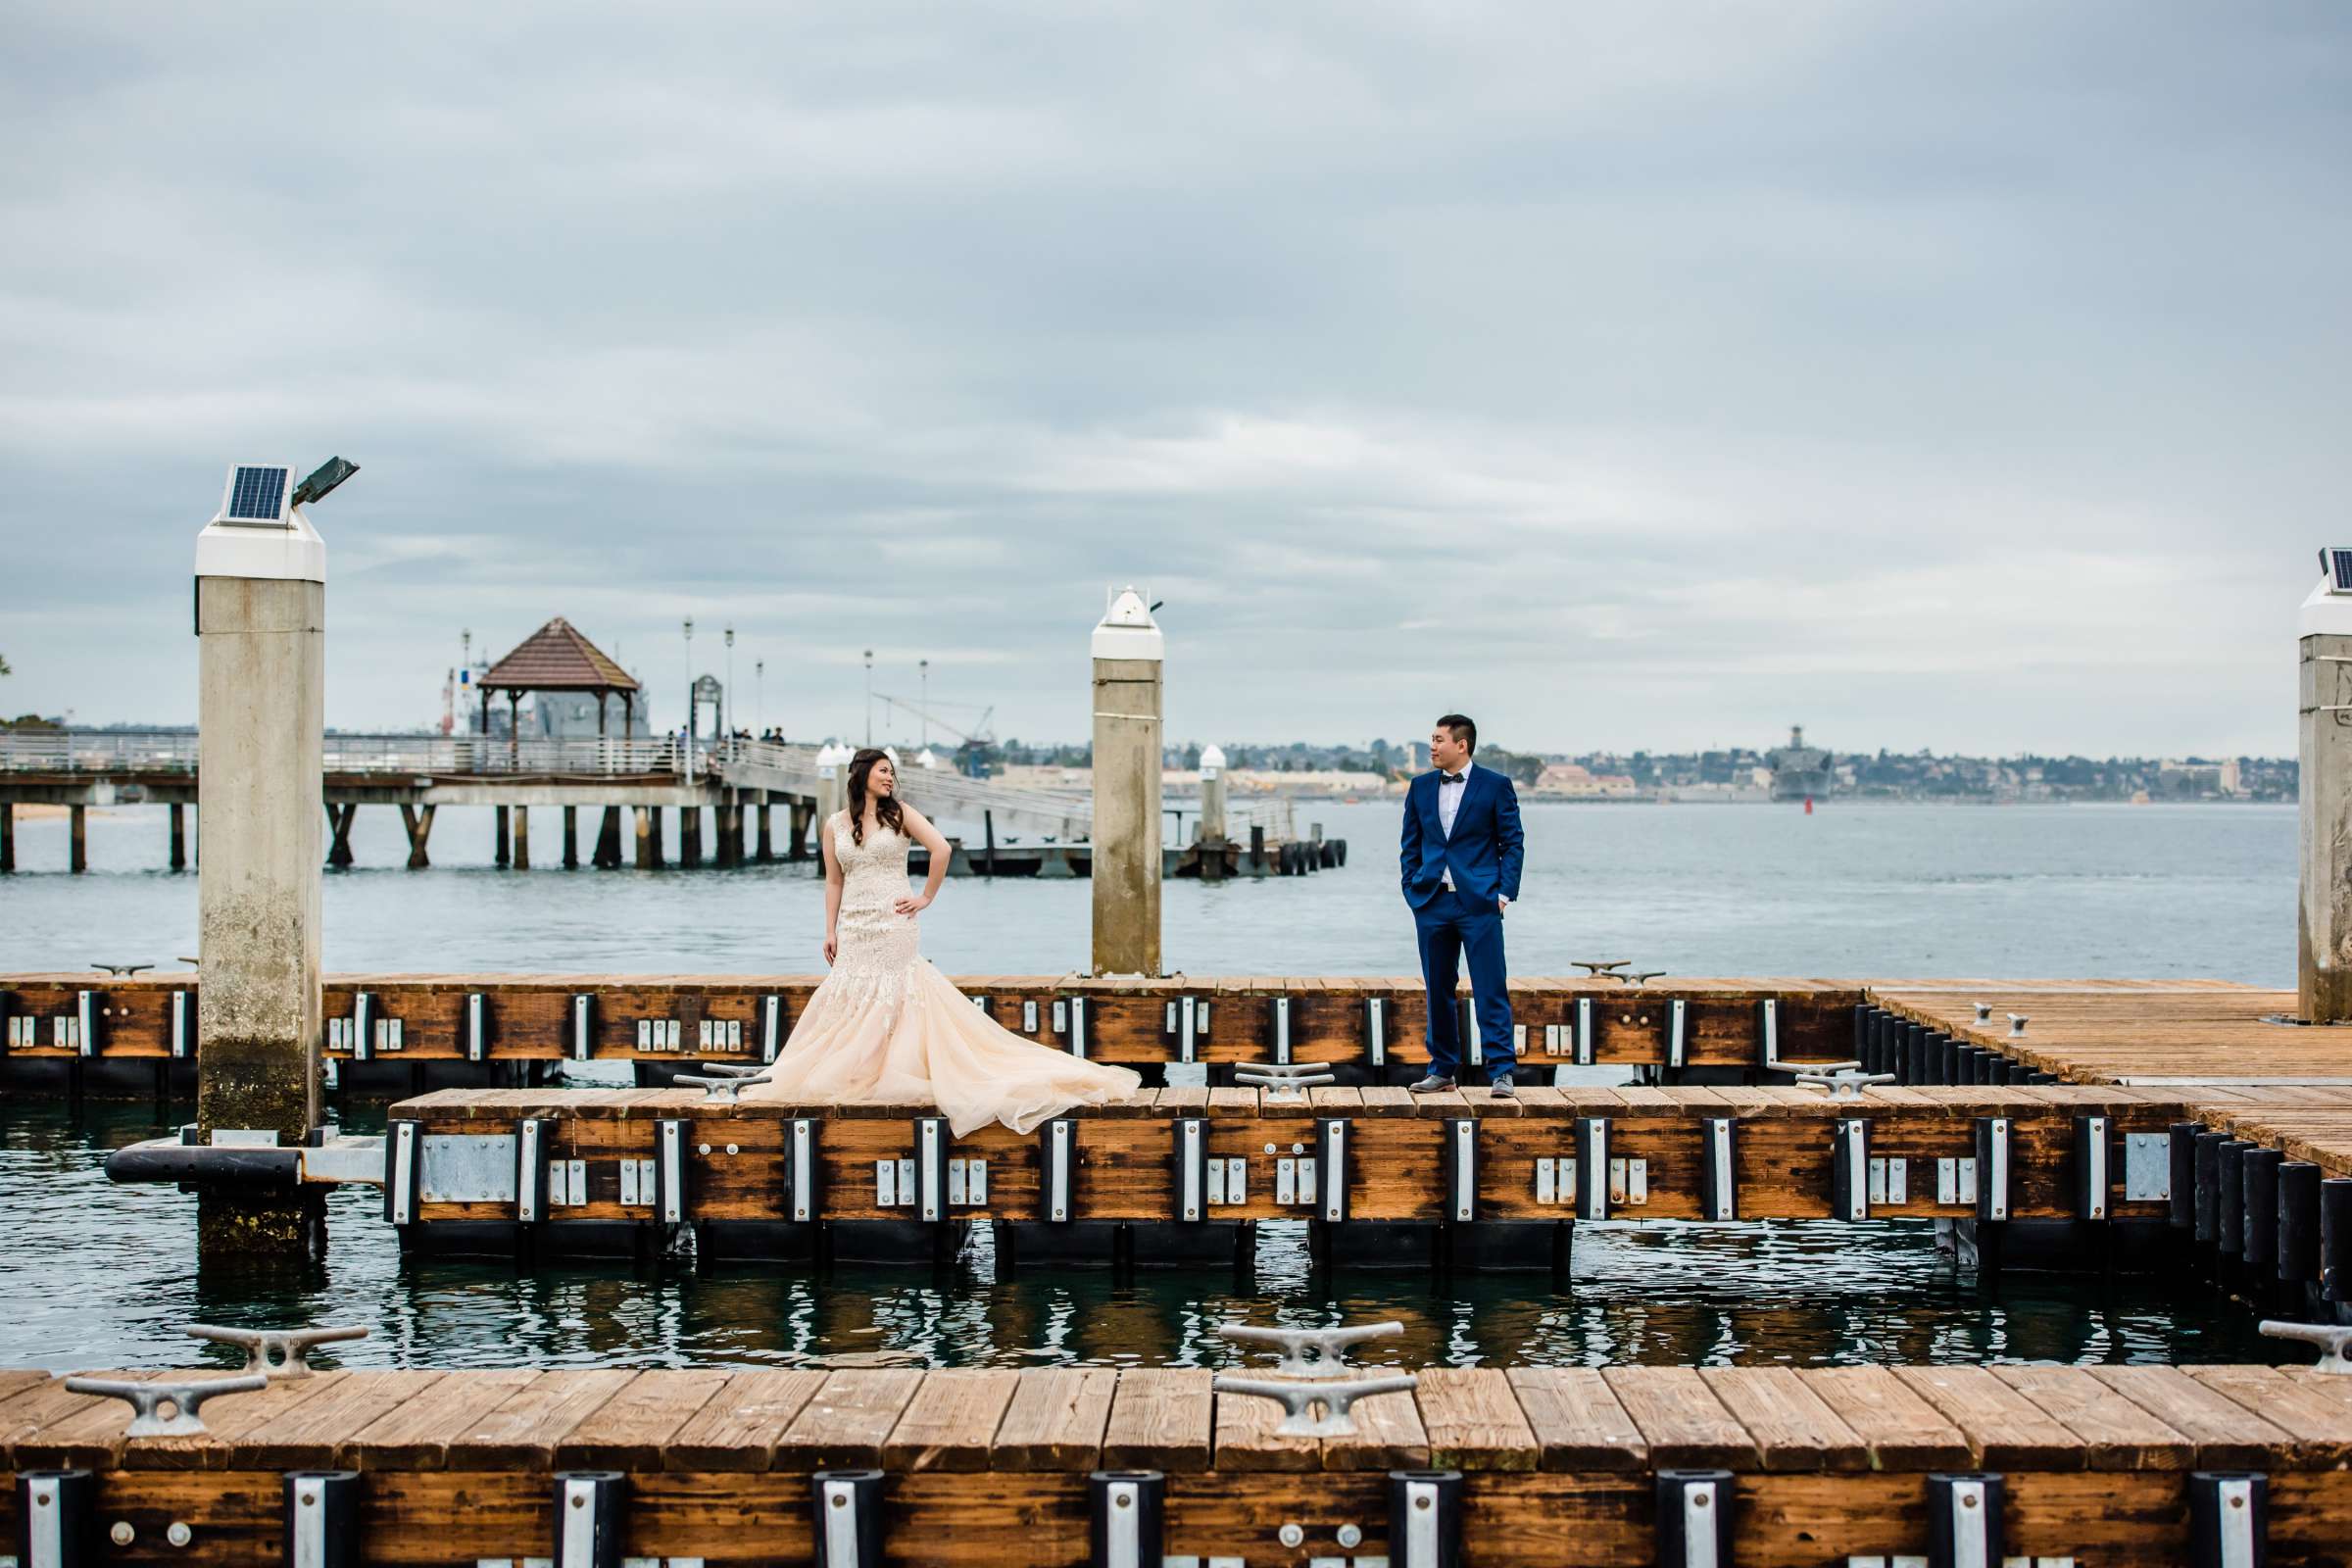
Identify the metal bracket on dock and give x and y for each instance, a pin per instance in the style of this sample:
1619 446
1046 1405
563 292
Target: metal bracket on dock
1337 1400
1309 1353
277 1353
1844 1081
2332 1339
1285 1083
149 1399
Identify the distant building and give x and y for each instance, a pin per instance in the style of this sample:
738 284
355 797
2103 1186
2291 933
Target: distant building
1575 781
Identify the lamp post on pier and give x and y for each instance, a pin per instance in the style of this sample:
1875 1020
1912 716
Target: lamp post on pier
870 697
760 695
726 699
924 665
686 757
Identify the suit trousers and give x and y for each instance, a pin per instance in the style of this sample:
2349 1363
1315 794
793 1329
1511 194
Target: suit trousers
1449 928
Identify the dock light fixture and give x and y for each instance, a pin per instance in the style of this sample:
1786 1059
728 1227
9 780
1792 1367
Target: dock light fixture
688 753
262 529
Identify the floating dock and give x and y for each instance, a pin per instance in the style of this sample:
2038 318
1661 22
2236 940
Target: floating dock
1860 1467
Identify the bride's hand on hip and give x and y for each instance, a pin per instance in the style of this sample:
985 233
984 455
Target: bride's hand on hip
913 903
832 946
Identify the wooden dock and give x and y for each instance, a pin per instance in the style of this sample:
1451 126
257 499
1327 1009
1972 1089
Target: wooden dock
996 1468
448 1021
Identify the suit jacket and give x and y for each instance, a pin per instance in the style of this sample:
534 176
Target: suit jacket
1484 853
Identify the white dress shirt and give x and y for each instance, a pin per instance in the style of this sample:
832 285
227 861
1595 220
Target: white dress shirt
1449 802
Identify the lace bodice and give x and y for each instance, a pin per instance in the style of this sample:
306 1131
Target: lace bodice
875 939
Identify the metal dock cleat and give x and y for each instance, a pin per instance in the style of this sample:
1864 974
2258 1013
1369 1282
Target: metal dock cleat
1285 1083
1596 968
1309 1353
1639 977
1844 1083
150 1400
276 1353
2017 1026
122 970
1983 1011
2332 1340
721 1090
1299 1399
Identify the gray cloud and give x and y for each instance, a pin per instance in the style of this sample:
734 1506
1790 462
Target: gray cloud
1952 375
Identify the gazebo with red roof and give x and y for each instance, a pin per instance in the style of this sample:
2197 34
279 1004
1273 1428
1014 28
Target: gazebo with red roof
558 659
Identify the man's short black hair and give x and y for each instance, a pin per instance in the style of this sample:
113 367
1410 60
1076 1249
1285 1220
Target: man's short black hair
1463 730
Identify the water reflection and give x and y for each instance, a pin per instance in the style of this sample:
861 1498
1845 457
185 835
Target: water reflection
98 1274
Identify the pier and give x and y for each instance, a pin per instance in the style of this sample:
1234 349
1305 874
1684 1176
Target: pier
632 783
1155 1468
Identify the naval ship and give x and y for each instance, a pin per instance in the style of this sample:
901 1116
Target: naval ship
1799 772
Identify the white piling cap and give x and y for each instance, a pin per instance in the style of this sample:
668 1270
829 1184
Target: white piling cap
2326 614
926 759
1212 761
1127 630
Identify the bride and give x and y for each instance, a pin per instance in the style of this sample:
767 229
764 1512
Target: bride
887 1026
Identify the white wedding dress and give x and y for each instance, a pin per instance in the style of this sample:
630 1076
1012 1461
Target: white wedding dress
886 1026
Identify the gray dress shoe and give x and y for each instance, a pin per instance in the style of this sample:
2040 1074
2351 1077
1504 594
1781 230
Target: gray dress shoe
1433 1084
1502 1086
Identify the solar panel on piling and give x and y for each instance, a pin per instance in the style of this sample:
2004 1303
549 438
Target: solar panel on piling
257 494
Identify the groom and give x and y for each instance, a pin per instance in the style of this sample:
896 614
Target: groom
1462 871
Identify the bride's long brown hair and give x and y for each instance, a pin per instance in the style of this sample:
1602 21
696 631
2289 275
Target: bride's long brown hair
887 810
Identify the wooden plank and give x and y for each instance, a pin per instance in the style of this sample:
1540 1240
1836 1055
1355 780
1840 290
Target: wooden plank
2005 1430
1055 1420
1247 1442
1162 1418
2322 1426
1684 1425
414 1434
2117 1434
1575 1422
1473 1420
1789 1425
738 1428
520 1434
847 1421
1901 1429
1389 1435
2226 1434
230 1421
951 1421
320 1434
14 1383
632 1429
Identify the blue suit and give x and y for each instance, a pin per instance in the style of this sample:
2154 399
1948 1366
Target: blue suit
1483 855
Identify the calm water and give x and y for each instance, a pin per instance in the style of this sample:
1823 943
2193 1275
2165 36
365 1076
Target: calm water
92 1273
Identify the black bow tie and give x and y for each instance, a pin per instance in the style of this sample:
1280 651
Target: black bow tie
1454 779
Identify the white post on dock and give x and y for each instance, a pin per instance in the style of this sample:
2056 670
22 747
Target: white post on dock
261 627
2323 960
1211 836
1129 656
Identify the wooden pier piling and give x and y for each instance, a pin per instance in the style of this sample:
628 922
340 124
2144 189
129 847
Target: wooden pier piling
78 853
523 838
179 836
500 855
571 838
419 821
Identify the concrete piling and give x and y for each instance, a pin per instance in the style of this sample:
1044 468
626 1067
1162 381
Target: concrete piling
418 820
261 660
1128 662
1212 813
2324 958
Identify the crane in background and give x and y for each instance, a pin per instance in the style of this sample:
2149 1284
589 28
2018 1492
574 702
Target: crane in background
976 748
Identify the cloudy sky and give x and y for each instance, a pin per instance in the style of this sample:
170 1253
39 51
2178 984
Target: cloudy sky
1975 375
